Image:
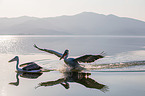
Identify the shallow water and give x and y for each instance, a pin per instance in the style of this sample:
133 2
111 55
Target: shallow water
119 73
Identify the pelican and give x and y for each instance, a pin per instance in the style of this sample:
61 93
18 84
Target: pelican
30 68
76 77
25 75
73 62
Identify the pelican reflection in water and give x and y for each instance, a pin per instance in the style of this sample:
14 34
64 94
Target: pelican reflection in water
30 67
73 62
25 75
78 77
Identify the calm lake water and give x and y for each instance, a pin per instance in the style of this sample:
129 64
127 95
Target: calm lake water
120 73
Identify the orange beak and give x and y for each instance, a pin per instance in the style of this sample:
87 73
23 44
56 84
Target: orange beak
63 56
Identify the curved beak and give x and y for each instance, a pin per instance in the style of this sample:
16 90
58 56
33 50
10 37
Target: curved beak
65 53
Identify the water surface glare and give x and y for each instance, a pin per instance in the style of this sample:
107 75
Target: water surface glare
120 73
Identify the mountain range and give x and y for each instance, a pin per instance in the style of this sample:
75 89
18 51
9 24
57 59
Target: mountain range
86 23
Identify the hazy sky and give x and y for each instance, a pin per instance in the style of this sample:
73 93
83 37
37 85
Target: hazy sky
50 8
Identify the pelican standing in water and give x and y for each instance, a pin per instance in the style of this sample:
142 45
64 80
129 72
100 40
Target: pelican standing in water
30 67
73 62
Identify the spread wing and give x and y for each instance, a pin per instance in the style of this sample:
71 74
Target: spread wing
49 51
89 58
51 83
90 83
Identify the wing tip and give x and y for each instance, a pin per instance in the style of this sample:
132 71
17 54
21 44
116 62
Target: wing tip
35 45
103 54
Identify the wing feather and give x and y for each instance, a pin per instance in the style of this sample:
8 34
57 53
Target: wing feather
32 67
26 64
49 51
89 58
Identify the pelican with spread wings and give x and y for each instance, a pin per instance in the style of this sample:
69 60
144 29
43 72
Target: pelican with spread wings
73 62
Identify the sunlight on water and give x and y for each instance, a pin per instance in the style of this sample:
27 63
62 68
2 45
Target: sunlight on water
15 45
6 38
8 44
122 66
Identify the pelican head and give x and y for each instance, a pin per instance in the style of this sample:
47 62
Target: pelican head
64 54
14 59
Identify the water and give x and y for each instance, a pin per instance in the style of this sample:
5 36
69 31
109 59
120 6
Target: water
121 72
